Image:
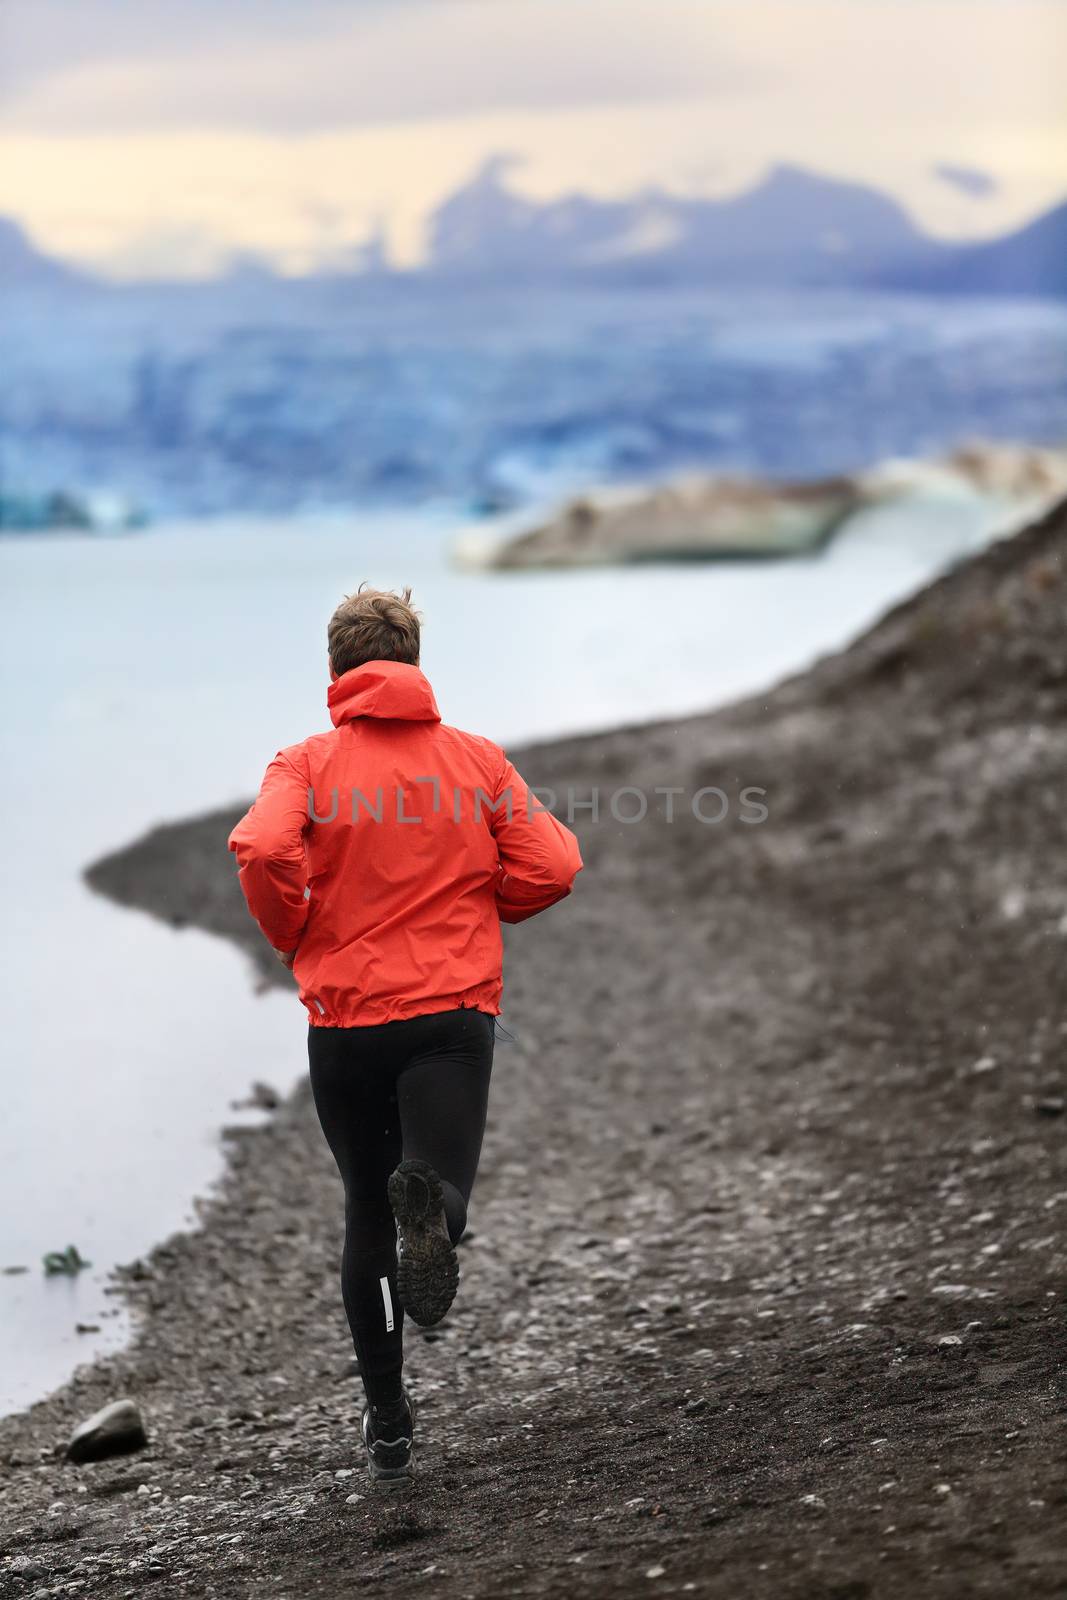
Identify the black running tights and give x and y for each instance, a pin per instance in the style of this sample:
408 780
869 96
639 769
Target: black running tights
414 1088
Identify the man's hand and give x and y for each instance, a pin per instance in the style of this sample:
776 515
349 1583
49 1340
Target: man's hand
286 957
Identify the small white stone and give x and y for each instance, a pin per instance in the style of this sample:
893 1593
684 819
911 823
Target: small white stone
655 1572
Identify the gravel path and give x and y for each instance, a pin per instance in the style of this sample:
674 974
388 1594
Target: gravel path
765 1292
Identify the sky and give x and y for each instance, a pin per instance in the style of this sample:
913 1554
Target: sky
164 138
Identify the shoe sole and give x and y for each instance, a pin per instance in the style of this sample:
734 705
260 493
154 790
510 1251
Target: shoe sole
428 1268
390 1477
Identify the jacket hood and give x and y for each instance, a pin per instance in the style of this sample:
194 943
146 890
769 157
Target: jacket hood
382 689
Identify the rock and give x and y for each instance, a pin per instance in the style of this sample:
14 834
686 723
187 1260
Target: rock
1016 471
116 1430
701 517
1052 1105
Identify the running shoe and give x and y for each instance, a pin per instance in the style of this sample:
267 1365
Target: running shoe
427 1268
389 1438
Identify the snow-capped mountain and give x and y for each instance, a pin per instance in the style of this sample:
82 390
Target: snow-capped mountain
23 266
794 227
1032 261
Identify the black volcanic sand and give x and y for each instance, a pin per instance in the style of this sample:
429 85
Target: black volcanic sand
765 1294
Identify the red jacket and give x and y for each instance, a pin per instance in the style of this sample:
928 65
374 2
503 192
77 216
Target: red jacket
388 851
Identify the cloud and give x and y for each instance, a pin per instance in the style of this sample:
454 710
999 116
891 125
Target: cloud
968 180
367 64
41 37
189 146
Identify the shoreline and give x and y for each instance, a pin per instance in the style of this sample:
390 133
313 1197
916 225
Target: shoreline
716 658
729 1214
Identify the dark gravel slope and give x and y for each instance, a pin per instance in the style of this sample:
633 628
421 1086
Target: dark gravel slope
766 1290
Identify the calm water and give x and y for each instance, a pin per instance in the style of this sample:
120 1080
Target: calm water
154 677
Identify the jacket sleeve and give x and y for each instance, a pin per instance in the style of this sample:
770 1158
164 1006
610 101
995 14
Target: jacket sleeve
539 857
269 845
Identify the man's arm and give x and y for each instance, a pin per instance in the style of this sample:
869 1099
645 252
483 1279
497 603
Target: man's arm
269 845
539 857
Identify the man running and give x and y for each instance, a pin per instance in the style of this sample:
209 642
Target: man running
379 860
